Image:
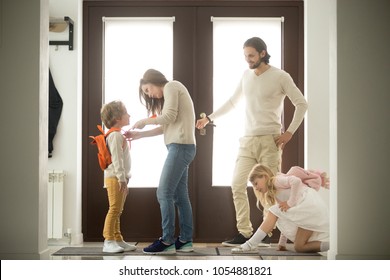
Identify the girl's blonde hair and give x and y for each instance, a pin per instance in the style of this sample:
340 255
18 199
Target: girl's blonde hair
266 199
112 112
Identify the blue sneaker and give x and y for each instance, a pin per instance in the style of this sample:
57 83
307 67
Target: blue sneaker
183 246
159 248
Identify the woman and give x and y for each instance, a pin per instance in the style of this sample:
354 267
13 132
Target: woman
171 106
294 206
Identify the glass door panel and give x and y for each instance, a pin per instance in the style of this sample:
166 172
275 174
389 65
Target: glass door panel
131 46
229 35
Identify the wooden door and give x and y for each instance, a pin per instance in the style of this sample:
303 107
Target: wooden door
214 216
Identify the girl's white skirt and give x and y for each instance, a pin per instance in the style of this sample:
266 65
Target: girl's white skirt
309 213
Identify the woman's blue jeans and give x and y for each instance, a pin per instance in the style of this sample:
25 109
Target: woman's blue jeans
173 192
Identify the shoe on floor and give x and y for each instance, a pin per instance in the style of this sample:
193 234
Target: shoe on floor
159 248
126 246
183 246
110 246
264 245
236 241
240 250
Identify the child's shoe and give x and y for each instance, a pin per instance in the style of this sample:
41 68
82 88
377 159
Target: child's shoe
110 246
183 246
159 248
245 248
126 246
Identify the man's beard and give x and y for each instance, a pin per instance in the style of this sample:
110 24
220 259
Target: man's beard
257 64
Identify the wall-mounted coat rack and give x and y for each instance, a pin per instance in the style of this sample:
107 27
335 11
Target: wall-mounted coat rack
70 23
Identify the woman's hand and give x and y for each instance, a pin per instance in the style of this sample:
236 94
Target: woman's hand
140 124
133 135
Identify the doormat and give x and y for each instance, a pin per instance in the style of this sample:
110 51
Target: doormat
98 251
271 251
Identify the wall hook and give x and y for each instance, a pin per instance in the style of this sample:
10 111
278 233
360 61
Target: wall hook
70 23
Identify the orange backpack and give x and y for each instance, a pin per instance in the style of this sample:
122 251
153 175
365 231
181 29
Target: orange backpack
104 155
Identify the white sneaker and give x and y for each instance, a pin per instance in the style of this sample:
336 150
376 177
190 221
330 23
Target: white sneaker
110 246
240 250
126 246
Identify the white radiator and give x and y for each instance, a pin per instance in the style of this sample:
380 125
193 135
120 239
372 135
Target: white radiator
55 203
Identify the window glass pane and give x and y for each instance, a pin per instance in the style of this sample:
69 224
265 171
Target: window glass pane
129 50
229 35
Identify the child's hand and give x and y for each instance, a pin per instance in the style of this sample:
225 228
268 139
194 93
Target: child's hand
123 187
282 248
283 206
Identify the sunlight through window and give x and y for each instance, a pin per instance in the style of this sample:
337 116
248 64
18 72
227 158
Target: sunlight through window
130 48
229 35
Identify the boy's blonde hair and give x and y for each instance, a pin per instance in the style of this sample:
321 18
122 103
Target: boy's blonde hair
266 199
112 112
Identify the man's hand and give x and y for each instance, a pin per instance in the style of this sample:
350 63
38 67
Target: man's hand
283 139
201 123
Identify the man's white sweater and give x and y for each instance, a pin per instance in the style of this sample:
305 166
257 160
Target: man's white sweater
264 96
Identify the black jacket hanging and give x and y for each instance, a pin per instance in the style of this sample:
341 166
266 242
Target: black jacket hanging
55 109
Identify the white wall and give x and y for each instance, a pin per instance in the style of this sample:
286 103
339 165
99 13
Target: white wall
65 66
319 20
317 87
317 83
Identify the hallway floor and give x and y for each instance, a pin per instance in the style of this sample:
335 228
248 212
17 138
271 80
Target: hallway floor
55 248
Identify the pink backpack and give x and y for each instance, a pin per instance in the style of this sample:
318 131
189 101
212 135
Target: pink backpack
313 178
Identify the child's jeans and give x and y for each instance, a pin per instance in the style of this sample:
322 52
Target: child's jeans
116 200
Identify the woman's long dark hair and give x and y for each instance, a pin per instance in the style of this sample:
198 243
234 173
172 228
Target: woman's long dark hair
153 105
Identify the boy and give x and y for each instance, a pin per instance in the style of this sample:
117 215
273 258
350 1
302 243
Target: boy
116 176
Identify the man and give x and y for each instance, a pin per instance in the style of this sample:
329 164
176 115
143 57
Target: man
264 88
